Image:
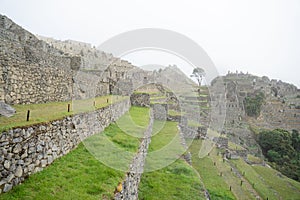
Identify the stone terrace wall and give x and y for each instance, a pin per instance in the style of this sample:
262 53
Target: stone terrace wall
31 71
140 99
24 151
133 177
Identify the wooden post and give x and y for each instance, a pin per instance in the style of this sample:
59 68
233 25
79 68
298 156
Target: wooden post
231 169
241 182
28 115
106 100
230 188
94 103
215 163
221 173
68 107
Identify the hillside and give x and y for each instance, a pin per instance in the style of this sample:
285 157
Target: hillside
87 122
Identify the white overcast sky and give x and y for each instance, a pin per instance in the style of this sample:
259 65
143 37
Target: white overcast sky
261 37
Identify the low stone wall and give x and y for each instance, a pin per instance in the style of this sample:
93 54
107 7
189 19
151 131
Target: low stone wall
24 151
221 142
140 99
133 177
187 156
160 111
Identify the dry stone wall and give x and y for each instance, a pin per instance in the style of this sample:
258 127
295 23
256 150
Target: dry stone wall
133 177
31 71
27 150
140 99
37 71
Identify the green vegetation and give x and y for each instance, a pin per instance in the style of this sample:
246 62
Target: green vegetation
268 182
234 146
254 159
55 110
253 104
175 181
215 184
175 113
77 175
192 123
164 132
282 149
125 132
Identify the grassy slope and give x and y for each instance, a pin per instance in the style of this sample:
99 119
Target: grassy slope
268 182
52 111
79 175
176 181
214 183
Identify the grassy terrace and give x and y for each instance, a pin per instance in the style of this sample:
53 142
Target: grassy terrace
257 180
175 181
214 183
175 113
79 175
55 110
268 182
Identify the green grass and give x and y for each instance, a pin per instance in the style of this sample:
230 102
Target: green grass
165 146
78 175
52 111
118 143
234 146
175 113
157 97
285 187
268 182
192 123
174 180
254 159
215 184
165 133
135 122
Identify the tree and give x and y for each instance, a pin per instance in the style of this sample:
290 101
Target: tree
198 73
280 147
253 104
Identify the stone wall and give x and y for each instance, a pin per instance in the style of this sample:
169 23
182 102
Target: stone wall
133 177
31 71
160 111
37 71
221 142
140 99
27 150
